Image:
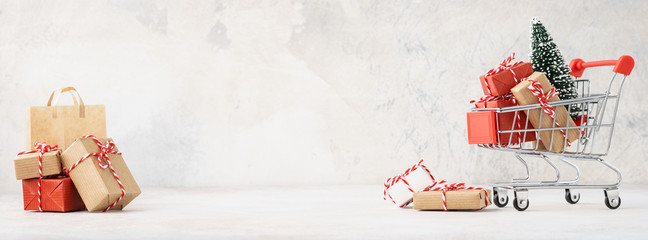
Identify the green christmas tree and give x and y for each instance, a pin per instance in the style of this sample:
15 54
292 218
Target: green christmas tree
546 58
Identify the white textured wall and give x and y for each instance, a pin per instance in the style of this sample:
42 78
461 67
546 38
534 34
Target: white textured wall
212 93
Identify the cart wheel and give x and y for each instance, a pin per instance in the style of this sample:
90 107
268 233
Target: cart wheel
499 201
571 198
612 199
521 200
521 205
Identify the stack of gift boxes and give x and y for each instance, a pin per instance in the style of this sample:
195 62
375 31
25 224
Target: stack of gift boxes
89 174
512 84
417 185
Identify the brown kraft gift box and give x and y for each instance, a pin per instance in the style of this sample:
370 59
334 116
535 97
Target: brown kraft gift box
26 165
97 186
473 199
525 97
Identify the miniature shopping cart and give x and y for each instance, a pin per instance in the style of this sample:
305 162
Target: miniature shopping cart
595 128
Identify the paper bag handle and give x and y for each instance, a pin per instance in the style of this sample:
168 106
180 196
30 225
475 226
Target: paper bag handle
58 93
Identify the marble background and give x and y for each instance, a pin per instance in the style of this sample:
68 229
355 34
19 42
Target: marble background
285 93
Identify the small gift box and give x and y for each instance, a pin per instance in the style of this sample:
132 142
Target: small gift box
399 189
455 196
57 195
499 81
474 199
554 140
484 125
26 164
100 173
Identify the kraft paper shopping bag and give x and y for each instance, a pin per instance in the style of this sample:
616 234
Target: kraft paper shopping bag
62 125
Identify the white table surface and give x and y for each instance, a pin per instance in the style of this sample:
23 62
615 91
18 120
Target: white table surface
331 212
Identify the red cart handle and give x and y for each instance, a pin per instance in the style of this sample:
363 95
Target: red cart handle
624 65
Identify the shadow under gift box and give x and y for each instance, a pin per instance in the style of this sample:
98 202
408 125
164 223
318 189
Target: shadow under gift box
57 195
483 125
97 186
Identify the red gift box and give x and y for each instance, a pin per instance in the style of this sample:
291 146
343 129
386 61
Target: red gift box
501 83
57 195
482 125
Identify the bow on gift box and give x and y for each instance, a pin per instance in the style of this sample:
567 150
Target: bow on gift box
41 148
102 155
450 187
543 99
505 65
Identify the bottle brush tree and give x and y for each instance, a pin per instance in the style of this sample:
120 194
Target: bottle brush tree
546 58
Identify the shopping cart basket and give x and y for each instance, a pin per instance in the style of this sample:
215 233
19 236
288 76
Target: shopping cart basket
595 127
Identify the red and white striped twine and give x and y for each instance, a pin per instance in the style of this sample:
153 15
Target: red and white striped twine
543 99
401 177
450 187
105 149
488 98
503 66
41 148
